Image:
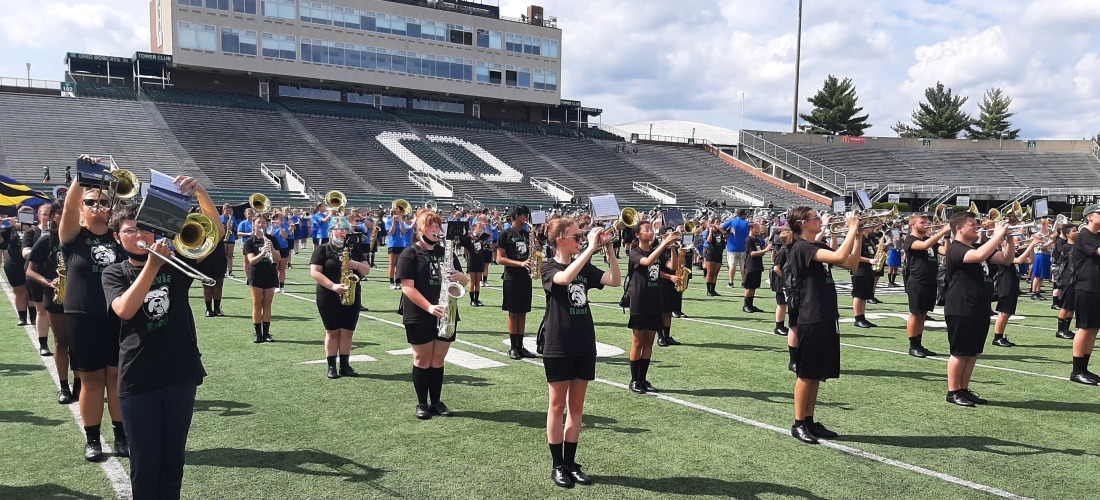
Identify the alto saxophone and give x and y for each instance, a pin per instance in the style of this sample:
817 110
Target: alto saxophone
681 270
536 269
347 277
59 290
447 325
879 261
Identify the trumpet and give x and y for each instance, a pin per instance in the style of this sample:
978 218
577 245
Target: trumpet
123 185
195 240
873 219
259 203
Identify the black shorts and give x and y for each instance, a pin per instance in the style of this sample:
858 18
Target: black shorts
17 276
47 297
423 333
653 322
263 280
1087 308
922 296
93 341
1069 295
713 255
751 280
34 291
319 241
570 368
335 315
395 250
474 263
863 287
671 300
966 334
792 316
517 295
244 253
284 252
818 353
1007 305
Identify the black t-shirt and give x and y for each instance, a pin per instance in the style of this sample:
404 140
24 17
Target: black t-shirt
1086 263
30 237
568 326
254 246
665 261
13 245
867 249
158 347
922 265
816 289
330 257
645 291
1061 251
753 264
719 243
424 268
515 243
1006 282
44 256
969 289
85 259
779 260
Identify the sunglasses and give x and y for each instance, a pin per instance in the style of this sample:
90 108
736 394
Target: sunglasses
579 237
102 203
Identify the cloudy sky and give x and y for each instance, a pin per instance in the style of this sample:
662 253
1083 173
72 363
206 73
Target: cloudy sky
692 59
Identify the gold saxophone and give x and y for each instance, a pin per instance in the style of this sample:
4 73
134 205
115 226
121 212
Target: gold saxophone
59 290
879 261
536 255
347 277
681 270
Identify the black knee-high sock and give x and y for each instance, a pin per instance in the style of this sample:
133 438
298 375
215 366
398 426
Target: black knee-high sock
22 316
331 360
436 388
569 453
32 313
217 305
259 328
635 367
516 340
1063 324
557 454
209 306
345 361
915 342
1081 364
92 433
749 300
267 327
120 430
792 350
643 369
76 387
421 379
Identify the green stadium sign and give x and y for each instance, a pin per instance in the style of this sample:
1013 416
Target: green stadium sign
93 57
149 56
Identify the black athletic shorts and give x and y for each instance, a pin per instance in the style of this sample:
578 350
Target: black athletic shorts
395 250
1008 304
34 291
335 315
713 255
17 276
93 341
751 281
423 333
1069 295
818 353
792 316
47 297
780 298
922 296
263 280
517 295
863 287
284 252
653 322
570 368
966 334
671 300
1087 309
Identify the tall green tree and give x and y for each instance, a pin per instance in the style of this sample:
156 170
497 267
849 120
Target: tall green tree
835 111
993 115
939 117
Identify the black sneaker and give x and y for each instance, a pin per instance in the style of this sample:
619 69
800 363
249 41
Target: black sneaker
672 341
44 351
122 447
649 387
1065 334
661 342
347 371
219 313
677 314
792 367
682 315
959 399
862 323
786 331
916 352
729 284
527 354
423 412
210 314
780 332
973 397
1086 377
93 451
268 338
747 310
821 431
514 354
873 300
259 339
636 387
1003 342
1055 307
803 433
440 409
64 397
332 373
579 476
562 476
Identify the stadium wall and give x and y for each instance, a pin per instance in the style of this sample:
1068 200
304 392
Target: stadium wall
771 179
1049 146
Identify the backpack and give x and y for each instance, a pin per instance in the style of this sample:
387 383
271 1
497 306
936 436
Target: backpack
792 287
624 301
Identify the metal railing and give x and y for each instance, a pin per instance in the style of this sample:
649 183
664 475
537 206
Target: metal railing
270 174
548 186
1096 149
655 192
6 81
828 177
743 195
420 180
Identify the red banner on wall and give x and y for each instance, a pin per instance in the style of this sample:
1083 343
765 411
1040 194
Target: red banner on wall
853 140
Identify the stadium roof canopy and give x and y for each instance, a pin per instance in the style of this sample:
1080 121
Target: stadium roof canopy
680 129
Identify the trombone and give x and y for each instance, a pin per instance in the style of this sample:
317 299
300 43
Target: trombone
195 240
874 219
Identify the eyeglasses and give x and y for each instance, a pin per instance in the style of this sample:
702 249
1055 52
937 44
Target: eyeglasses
130 231
813 218
102 203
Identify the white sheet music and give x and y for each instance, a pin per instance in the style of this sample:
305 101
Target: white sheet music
604 207
538 217
163 181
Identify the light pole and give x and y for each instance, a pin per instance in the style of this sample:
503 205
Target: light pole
651 131
742 126
797 63
1000 138
28 74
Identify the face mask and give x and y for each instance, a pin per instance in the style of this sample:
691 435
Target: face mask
426 239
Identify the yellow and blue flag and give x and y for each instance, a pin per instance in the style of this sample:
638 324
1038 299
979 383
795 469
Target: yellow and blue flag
13 192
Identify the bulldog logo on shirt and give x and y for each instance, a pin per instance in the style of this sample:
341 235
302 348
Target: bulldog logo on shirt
654 272
156 302
931 252
477 246
577 296
521 247
103 255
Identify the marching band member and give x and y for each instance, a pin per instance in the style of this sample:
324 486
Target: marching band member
244 233
88 246
277 229
715 243
814 311
863 281
419 269
921 269
736 229
786 239
754 266
1086 265
1064 280
14 265
398 238
968 295
42 267
37 310
569 357
893 257
326 267
514 254
214 265
230 223
472 244
1006 285
1040 270
263 276
645 302
320 224
291 236
160 366
671 300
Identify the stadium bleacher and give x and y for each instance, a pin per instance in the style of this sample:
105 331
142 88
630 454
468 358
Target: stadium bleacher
215 99
338 110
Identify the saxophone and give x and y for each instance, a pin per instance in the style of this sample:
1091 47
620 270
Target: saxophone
536 269
879 261
447 325
347 277
681 270
59 290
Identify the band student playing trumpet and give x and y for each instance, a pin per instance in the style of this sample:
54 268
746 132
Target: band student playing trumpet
646 317
920 275
263 276
160 366
230 222
337 266
424 278
398 236
514 252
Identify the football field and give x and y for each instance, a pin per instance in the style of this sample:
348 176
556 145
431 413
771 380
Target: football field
269 424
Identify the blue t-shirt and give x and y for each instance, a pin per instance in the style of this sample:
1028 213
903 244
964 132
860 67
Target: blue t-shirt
277 234
398 240
369 233
738 230
231 225
245 229
320 226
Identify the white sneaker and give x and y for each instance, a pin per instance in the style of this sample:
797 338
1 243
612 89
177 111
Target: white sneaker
278 290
